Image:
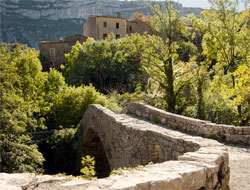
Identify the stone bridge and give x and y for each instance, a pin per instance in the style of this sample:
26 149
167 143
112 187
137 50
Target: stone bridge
180 161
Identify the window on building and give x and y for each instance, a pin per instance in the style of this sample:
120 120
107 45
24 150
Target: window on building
105 24
105 36
130 28
117 36
51 63
117 25
52 52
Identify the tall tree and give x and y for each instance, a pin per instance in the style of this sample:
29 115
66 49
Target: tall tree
107 64
166 51
198 31
18 152
227 38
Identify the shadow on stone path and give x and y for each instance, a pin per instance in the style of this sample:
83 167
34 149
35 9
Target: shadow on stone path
239 161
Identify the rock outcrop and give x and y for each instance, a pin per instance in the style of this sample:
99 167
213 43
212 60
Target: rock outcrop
32 21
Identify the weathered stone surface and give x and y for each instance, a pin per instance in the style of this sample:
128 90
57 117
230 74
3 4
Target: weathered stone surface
129 141
181 162
15 181
226 133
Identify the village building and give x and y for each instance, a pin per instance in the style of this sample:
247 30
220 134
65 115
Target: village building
98 27
52 54
138 26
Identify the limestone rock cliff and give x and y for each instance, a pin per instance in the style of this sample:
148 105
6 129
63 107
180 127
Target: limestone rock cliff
32 21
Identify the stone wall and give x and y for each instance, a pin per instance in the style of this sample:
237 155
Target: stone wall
137 26
225 133
181 162
89 27
199 163
111 26
76 38
52 54
129 142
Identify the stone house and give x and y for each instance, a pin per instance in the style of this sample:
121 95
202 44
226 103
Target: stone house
138 26
97 27
52 53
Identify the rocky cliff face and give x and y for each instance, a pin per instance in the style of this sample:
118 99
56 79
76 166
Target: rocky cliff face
31 21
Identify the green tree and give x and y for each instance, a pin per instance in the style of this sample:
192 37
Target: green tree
107 64
163 55
32 101
202 72
239 95
70 105
18 152
227 39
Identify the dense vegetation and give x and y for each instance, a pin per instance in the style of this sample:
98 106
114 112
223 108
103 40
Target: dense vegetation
194 67
33 101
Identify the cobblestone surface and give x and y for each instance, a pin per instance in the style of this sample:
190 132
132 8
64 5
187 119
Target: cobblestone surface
239 162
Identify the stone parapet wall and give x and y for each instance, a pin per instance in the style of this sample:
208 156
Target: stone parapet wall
129 142
199 163
225 133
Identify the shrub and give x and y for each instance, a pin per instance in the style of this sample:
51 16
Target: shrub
88 167
17 155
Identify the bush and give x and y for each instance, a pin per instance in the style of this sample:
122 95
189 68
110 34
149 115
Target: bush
18 155
71 104
88 167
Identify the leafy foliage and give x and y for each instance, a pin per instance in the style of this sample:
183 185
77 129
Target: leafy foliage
200 69
108 64
88 167
140 16
34 101
163 56
226 40
18 155
239 95
18 152
70 105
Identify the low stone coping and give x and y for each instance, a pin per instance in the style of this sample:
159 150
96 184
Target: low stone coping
206 168
225 133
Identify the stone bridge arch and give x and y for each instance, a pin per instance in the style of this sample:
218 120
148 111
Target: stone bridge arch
124 140
181 162
118 140
93 145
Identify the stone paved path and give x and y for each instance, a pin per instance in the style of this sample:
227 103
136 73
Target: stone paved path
239 161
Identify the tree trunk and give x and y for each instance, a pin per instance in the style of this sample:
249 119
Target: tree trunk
170 95
201 114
